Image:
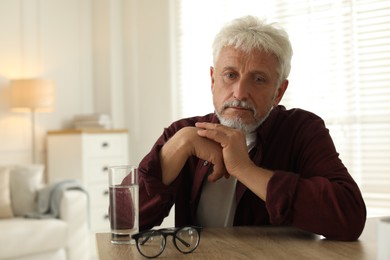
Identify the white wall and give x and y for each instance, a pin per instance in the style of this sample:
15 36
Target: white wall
110 56
149 103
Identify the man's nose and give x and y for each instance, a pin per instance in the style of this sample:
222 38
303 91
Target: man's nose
240 90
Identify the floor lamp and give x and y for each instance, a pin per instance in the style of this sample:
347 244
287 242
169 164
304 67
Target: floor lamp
32 95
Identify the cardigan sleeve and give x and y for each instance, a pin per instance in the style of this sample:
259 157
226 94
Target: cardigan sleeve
320 196
155 198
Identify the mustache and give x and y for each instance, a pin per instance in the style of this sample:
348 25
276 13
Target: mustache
240 104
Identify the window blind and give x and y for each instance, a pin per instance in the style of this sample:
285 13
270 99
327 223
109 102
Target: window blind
340 71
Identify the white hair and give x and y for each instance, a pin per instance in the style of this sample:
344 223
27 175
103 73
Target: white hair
250 33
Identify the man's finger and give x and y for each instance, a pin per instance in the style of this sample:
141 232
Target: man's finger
219 171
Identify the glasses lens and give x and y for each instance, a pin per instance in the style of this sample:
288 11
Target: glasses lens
151 244
187 239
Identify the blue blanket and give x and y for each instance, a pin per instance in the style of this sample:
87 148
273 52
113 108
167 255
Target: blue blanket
49 199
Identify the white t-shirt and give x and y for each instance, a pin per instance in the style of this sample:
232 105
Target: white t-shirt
217 204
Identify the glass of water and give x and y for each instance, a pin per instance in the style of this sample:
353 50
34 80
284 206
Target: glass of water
123 209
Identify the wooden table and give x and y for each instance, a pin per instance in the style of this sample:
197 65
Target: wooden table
256 243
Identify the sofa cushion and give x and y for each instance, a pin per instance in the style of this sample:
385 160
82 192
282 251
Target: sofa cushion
5 197
25 181
30 236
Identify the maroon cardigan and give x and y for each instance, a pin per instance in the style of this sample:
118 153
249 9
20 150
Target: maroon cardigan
311 188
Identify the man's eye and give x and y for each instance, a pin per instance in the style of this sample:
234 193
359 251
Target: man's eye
231 75
260 79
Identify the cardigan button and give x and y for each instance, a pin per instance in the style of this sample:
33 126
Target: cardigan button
205 163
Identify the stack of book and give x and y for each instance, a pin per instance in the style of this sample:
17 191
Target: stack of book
92 121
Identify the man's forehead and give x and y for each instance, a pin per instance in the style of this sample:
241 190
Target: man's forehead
231 57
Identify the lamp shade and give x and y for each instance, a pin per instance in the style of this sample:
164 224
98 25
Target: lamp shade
32 94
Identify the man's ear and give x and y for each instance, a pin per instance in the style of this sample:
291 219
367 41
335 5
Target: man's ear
280 92
212 78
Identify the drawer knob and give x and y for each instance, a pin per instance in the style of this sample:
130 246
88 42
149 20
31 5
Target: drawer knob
105 216
105 145
105 193
105 168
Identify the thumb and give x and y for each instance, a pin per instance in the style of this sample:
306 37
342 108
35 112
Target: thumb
218 171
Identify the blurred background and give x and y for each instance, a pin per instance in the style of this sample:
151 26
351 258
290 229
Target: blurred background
146 63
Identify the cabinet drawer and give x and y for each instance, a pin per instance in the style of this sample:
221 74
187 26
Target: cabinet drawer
98 168
105 145
99 219
99 196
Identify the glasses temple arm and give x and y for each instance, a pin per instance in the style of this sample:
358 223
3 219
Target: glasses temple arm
183 241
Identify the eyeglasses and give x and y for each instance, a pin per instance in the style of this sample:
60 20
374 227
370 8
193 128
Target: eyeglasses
151 243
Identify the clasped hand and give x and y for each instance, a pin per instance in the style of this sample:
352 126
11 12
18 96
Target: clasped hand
229 151
222 146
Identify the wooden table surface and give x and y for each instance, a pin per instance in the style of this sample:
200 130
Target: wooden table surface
256 243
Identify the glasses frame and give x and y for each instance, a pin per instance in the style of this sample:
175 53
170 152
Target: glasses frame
165 232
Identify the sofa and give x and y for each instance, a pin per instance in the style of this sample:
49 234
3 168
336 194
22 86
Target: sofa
26 233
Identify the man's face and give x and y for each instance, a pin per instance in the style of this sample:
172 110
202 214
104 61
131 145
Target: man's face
245 87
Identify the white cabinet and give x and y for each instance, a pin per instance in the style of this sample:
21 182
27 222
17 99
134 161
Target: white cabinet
85 155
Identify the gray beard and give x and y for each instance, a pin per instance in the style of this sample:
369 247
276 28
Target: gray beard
238 124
